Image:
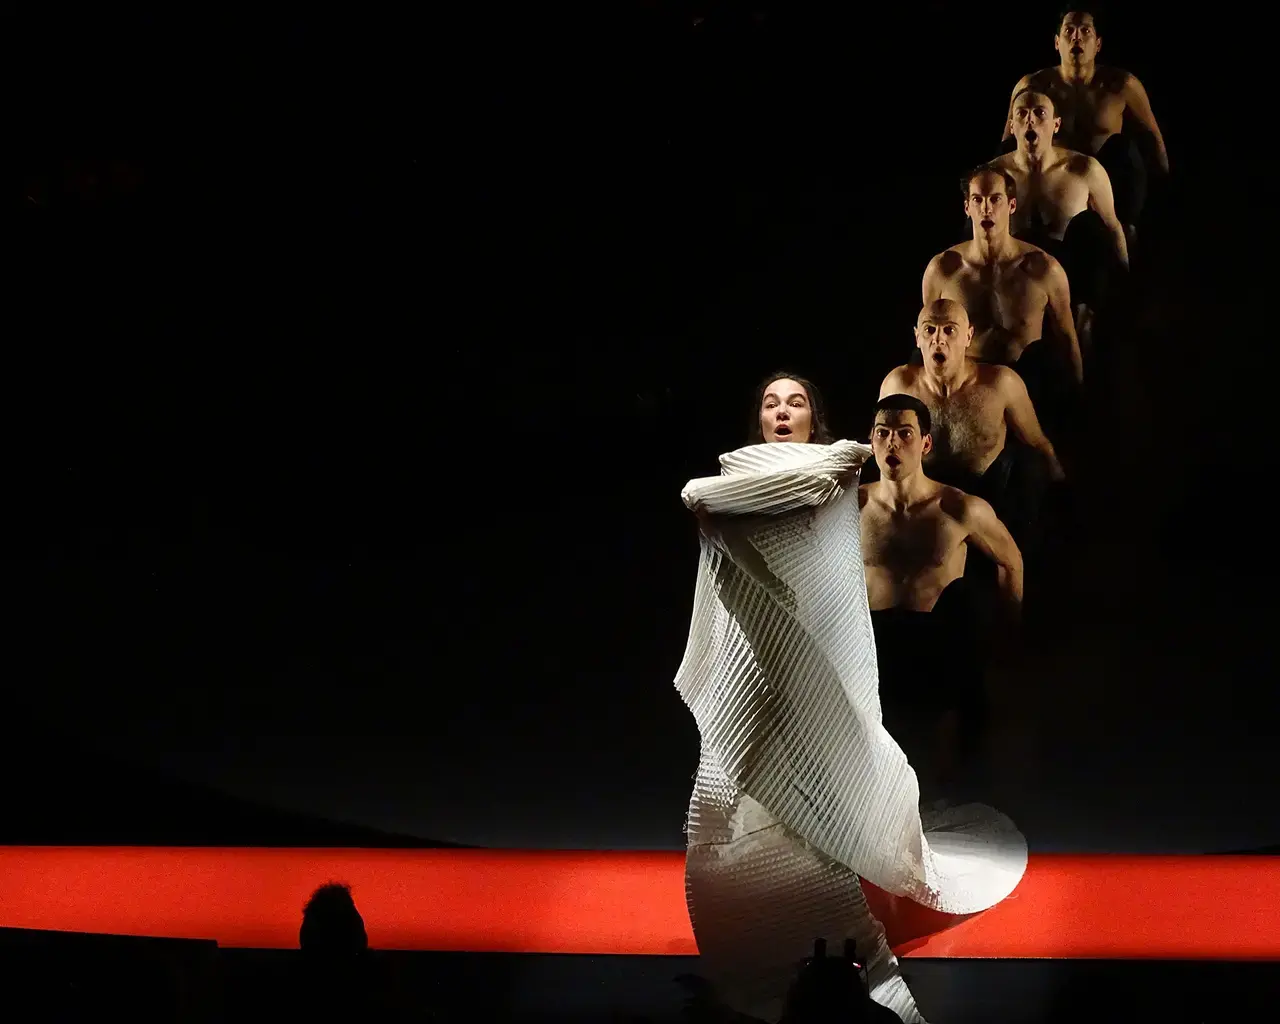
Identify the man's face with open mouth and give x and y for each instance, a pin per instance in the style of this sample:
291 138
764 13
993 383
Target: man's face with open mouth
897 444
989 205
1078 40
1033 122
942 336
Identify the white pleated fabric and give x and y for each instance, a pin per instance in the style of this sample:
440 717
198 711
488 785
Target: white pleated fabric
800 790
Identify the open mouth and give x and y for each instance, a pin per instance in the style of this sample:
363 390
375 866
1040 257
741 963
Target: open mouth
988 223
1030 135
782 430
939 357
1077 50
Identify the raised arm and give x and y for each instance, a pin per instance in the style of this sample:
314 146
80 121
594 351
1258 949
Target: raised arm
1020 415
1059 291
1138 104
990 536
782 481
1103 202
1023 82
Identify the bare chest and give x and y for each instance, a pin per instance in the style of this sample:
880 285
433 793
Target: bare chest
1002 295
905 545
1102 109
1051 199
967 424
1087 111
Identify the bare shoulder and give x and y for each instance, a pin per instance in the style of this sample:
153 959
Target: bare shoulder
1115 80
1079 164
949 262
993 375
901 377
966 509
1040 80
1021 84
1039 265
1034 261
864 494
954 503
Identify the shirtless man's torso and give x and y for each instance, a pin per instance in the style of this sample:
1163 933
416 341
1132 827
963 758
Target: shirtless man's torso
1049 196
1091 111
1091 99
1006 285
1054 184
972 405
911 552
915 531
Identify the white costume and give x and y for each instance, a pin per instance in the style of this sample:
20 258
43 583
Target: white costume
800 790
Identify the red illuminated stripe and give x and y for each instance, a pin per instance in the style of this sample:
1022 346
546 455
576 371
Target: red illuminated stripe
1109 907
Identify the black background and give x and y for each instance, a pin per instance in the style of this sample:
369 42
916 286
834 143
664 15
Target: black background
355 365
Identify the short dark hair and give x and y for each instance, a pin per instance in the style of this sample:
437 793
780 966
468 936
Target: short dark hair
1010 186
1062 16
818 434
905 403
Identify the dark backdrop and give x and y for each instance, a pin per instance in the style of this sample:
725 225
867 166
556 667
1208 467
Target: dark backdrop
356 364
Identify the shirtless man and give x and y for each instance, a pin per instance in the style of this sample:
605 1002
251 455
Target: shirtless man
972 406
1092 101
1007 287
915 534
1055 185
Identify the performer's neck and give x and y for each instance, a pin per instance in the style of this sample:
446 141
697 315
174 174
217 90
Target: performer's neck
993 247
1077 74
943 382
1033 163
904 493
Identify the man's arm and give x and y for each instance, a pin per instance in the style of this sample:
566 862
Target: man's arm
1102 201
1138 104
991 537
1020 414
1023 82
1059 292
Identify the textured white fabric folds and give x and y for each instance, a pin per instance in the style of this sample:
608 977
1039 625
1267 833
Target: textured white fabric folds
800 790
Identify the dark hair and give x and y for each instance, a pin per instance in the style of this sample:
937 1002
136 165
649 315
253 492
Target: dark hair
905 403
1062 16
818 433
1010 186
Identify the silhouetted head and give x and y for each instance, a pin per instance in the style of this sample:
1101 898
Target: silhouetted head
830 988
331 924
990 196
1077 41
788 408
900 436
943 334
1033 121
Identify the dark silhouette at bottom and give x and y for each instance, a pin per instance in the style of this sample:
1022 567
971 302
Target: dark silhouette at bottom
335 978
833 990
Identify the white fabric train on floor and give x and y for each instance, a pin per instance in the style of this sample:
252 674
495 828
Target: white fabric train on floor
799 789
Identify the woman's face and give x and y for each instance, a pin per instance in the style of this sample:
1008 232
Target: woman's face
785 414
